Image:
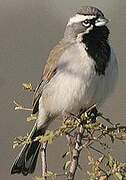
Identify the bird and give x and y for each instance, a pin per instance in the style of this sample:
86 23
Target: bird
81 70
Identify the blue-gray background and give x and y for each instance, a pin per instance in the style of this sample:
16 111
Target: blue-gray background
28 30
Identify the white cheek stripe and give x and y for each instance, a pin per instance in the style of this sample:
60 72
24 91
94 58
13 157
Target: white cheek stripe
78 18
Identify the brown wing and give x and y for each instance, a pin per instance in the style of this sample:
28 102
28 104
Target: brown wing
49 71
37 95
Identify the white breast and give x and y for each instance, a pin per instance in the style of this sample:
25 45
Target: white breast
76 84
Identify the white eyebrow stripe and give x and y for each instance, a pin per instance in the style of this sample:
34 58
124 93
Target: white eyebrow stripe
78 18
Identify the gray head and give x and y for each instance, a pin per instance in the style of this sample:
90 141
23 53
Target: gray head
89 10
86 19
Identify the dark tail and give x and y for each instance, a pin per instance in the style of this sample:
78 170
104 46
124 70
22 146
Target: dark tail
26 160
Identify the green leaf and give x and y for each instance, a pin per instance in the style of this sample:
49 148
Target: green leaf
110 161
15 145
31 118
119 176
27 86
51 174
38 178
47 137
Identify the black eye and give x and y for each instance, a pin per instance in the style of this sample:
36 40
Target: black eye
86 23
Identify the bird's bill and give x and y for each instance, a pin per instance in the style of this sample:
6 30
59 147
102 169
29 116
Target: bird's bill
101 22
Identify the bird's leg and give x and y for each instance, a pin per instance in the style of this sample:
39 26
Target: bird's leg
92 114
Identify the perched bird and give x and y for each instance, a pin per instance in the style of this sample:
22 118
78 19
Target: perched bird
81 71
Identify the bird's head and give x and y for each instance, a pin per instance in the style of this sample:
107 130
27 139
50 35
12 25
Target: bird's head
87 20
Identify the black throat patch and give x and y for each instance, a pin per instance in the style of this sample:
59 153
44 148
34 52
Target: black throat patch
98 48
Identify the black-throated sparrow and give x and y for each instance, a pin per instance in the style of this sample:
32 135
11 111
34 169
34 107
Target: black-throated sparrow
81 71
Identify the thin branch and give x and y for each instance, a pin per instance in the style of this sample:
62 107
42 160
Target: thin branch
44 160
20 107
75 154
69 140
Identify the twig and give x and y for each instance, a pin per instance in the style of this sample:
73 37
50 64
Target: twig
44 160
20 107
69 140
75 154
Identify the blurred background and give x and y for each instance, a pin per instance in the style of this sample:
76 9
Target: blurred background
28 31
